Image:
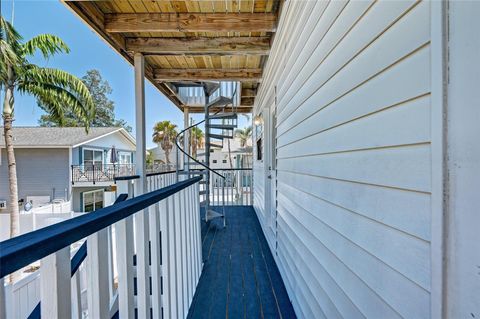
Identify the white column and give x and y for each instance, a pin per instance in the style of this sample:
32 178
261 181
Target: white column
186 135
461 161
141 218
139 64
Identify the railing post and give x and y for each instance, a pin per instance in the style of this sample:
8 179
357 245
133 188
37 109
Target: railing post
55 285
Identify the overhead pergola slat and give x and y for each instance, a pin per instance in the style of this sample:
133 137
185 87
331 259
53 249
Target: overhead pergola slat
190 22
200 45
207 74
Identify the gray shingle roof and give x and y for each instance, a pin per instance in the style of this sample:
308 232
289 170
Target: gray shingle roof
54 136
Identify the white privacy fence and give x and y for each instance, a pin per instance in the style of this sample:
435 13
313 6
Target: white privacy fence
143 256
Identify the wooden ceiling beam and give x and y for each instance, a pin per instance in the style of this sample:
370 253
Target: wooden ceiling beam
190 22
247 101
199 45
249 92
207 74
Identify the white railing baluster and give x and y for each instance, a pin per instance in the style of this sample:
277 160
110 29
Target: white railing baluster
3 299
142 253
76 296
165 233
183 214
193 237
111 288
190 262
198 231
98 294
173 273
125 249
155 267
55 285
181 251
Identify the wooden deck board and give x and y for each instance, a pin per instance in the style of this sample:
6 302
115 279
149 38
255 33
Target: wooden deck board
240 278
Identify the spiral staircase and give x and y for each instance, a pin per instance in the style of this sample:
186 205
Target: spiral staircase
220 122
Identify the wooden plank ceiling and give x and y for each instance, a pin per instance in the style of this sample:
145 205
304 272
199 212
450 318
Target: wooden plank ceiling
191 40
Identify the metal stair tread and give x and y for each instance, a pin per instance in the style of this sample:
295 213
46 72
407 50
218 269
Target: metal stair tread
220 116
223 126
211 87
215 145
219 136
219 102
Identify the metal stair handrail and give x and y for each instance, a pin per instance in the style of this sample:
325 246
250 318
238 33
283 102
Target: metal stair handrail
188 155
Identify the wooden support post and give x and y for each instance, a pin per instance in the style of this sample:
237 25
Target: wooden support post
55 285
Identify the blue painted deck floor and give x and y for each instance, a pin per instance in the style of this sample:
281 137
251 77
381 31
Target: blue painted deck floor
240 278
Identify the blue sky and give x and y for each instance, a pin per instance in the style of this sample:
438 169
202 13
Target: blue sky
88 51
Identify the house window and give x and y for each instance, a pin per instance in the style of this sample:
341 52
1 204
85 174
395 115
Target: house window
214 161
224 161
92 157
125 158
92 200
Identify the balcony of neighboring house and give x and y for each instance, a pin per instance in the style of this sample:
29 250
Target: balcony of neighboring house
100 173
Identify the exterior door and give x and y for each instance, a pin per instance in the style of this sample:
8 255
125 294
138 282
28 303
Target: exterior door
272 175
270 147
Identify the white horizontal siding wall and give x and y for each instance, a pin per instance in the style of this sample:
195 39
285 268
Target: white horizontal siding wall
354 159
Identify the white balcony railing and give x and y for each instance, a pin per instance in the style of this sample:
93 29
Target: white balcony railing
141 255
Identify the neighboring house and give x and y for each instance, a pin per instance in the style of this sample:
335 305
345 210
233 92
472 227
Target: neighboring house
159 155
241 156
66 164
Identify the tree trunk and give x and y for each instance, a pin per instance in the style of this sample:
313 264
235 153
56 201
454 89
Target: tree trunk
12 170
167 155
12 166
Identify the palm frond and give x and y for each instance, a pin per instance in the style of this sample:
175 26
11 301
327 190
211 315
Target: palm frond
48 44
8 32
64 80
57 100
7 54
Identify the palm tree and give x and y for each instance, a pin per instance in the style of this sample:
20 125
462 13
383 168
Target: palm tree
244 135
57 91
164 133
196 140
